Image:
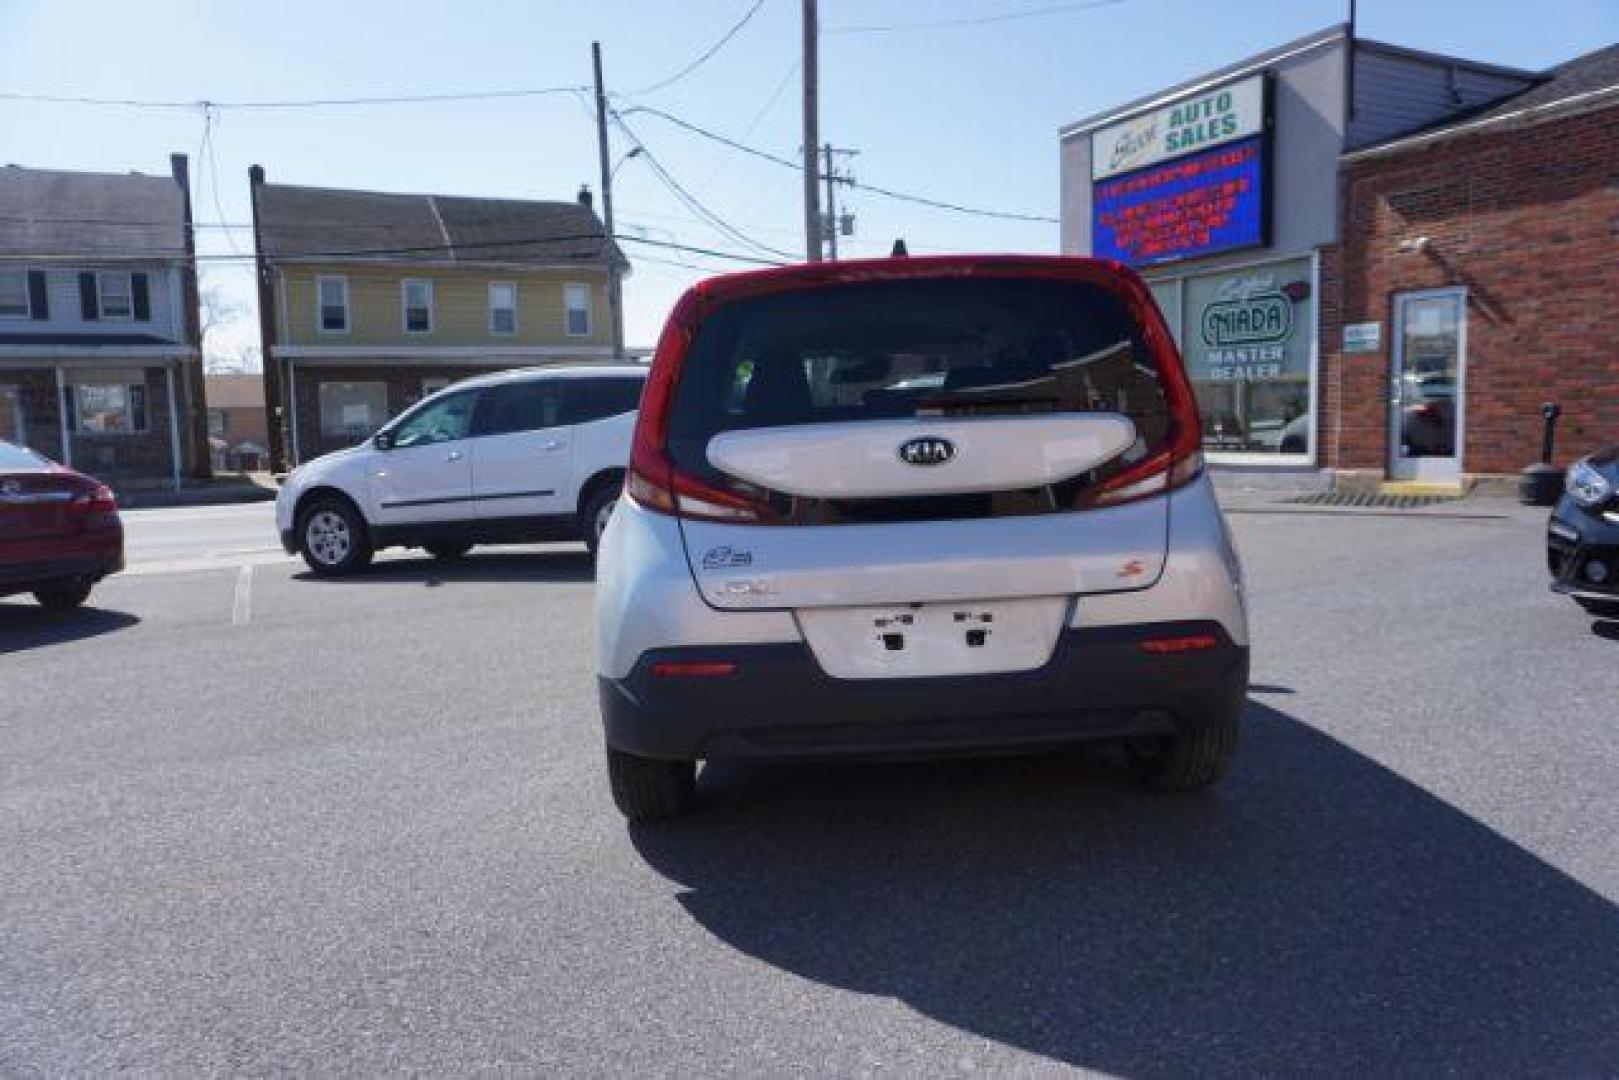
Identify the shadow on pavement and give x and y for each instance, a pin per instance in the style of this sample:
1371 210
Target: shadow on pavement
1606 628
1316 913
552 566
25 625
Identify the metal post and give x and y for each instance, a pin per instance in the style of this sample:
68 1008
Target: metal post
615 299
812 135
62 406
174 423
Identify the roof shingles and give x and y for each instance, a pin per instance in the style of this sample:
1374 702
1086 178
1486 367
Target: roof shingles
90 215
329 223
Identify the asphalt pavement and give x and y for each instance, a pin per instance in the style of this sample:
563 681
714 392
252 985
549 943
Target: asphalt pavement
255 822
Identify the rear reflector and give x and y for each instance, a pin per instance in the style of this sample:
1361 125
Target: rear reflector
692 669
1189 643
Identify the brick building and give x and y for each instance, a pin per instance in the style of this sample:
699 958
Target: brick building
1475 279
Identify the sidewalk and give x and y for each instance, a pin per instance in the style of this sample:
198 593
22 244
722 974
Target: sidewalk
223 489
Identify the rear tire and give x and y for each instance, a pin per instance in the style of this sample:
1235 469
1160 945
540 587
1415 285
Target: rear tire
650 789
65 596
1189 760
597 512
448 552
332 537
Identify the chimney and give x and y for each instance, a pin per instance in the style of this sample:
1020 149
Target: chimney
180 169
586 199
900 251
255 174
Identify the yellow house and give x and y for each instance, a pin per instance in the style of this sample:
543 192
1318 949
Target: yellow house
369 300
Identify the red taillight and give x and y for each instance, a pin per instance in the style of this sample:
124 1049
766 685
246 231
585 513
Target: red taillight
693 669
653 480
1178 460
1180 644
99 501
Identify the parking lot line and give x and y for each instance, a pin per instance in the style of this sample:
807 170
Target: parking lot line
241 610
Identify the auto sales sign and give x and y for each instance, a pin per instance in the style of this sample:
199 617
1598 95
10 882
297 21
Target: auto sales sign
1186 179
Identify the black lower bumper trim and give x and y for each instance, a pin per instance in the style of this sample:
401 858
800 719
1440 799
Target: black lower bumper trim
778 703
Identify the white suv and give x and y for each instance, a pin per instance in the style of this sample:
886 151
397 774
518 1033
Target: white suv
517 457
917 506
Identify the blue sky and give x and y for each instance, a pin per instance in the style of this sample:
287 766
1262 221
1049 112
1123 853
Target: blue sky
965 114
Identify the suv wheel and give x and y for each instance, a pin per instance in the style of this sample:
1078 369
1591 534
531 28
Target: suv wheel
597 513
64 596
332 538
650 789
448 552
1189 760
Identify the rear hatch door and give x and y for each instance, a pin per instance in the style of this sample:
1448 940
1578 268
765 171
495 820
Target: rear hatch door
922 441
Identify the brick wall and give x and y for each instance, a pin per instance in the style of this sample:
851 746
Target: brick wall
1528 221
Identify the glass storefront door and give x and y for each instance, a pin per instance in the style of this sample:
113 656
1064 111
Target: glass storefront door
1425 385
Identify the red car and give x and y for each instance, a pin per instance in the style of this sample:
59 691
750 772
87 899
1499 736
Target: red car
59 530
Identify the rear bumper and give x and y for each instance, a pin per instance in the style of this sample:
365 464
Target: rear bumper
1099 684
25 576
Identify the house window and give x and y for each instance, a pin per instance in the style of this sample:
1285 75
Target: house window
576 310
334 304
115 295
502 307
352 410
14 294
418 303
111 408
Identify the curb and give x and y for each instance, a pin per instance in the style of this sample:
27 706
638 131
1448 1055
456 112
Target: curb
152 500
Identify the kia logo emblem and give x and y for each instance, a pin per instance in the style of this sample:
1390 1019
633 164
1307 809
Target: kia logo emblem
927 450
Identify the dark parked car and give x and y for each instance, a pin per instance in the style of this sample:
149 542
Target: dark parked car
59 530
1583 535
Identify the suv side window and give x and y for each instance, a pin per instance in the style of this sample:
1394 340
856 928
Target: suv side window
521 406
584 400
445 420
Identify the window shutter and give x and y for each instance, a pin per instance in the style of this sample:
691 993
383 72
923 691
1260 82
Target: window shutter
70 408
39 301
143 297
87 297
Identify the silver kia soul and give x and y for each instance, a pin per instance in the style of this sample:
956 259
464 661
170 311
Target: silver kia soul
932 506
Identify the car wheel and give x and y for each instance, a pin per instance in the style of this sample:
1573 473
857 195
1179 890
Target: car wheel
448 552
597 513
1189 760
332 538
64 597
650 789
1602 609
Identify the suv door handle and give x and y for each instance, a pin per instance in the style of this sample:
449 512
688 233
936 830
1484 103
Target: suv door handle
454 455
554 444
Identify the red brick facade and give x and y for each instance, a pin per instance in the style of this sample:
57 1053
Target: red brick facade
1526 218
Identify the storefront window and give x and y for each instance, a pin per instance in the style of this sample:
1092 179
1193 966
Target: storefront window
107 408
352 410
1246 337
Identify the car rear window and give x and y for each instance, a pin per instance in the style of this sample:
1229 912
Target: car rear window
934 347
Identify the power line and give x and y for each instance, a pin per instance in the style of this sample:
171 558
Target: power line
977 20
704 57
874 189
691 201
291 103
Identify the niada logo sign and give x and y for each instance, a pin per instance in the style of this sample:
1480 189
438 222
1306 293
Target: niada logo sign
1251 320
927 450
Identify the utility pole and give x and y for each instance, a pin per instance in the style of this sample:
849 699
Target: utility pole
831 222
812 135
615 296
